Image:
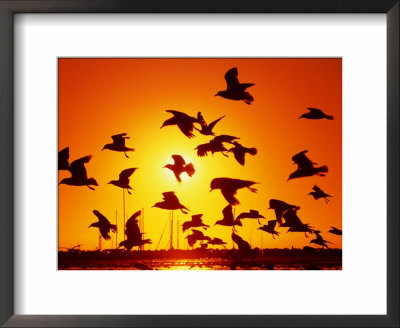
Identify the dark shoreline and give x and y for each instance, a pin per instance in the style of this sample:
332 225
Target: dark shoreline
267 259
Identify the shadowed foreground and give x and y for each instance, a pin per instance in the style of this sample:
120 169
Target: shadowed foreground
267 259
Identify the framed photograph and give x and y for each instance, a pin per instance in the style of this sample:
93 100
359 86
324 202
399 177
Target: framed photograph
202 164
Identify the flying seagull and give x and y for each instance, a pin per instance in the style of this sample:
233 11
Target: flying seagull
253 214
134 237
104 225
196 222
180 166
228 218
229 187
123 181
171 202
240 151
319 193
234 89
305 167
280 208
335 231
184 122
118 144
207 129
79 174
315 114
270 228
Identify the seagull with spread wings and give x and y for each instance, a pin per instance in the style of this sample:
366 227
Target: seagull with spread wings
293 222
305 167
104 225
134 237
196 222
252 214
270 228
215 145
123 181
319 240
280 207
240 151
228 218
207 129
171 202
196 235
319 193
118 144
315 114
234 89
79 174
229 188
184 122
180 166
335 231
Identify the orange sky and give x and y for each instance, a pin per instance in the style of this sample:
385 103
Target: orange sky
102 97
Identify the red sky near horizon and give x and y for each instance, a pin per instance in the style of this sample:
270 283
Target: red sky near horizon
102 97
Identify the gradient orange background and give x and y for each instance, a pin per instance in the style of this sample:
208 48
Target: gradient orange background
102 97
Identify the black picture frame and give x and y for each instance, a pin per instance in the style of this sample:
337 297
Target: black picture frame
10 7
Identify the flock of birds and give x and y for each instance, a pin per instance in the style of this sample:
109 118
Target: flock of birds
286 214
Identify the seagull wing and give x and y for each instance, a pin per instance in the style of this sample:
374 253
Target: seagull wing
224 138
63 157
77 167
119 139
302 161
125 174
228 213
170 197
315 110
239 154
243 215
212 124
178 160
231 78
272 224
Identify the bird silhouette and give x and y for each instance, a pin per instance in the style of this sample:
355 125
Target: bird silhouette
184 122
234 89
228 218
253 214
270 228
196 235
196 222
104 225
335 231
319 240
293 222
63 157
319 193
207 129
79 174
118 144
180 166
133 233
306 167
239 152
216 241
315 114
229 187
171 202
123 181
242 245
280 208
215 145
